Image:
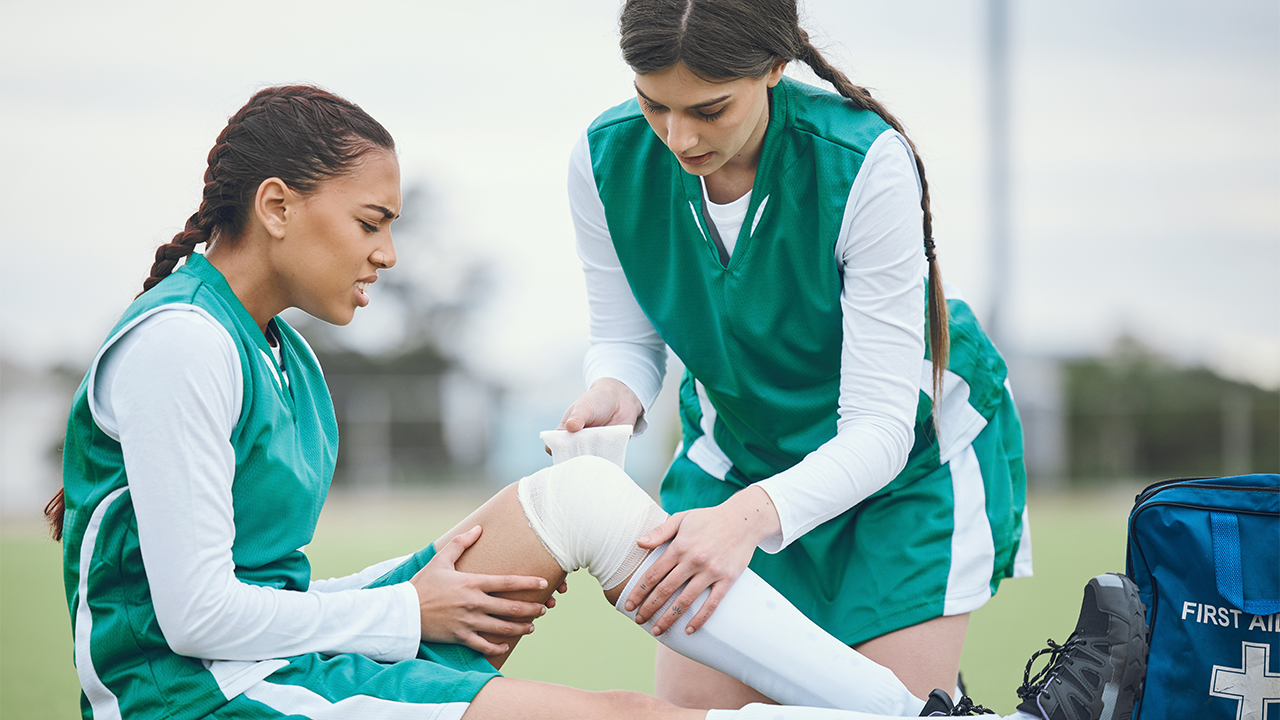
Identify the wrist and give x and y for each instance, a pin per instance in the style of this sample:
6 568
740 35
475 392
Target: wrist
756 508
627 401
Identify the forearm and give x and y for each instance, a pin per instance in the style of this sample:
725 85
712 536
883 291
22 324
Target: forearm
882 353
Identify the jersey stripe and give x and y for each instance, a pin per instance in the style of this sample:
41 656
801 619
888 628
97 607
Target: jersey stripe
104 702
704 451
294 700
973 551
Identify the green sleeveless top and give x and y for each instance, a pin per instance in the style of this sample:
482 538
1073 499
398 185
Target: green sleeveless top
286 443
763 333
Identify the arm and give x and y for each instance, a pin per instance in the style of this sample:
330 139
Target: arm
883 320
883 309
170 392
627 359
173 386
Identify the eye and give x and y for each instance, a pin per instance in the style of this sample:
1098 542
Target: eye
368 227
712 116
650 107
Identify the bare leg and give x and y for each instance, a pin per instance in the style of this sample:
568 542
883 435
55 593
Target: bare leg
691 684
506 546
586 507
924 657
512 699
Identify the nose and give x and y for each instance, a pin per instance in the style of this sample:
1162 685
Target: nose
682 135
385 255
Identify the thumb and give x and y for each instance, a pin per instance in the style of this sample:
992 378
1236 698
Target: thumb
662 533
453 549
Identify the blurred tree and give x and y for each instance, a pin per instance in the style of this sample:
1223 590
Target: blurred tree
1135 415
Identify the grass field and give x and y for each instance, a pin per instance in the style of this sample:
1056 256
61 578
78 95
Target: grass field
583 642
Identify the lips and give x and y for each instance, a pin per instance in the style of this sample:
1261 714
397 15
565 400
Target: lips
695 159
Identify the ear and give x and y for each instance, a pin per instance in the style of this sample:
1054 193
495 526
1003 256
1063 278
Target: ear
775 74
272 205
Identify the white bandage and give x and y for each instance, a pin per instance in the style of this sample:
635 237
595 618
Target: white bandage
609 442
589 513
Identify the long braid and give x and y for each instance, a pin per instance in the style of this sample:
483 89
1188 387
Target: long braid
939 334
298 133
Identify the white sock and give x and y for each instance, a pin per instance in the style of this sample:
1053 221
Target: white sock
756 635
760 638
758 711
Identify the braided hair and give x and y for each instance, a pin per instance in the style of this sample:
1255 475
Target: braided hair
297 133
722 40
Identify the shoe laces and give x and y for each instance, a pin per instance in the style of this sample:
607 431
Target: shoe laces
1032 686
966 708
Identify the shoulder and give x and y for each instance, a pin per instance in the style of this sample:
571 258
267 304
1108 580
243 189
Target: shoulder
827 117
624 113
182 334
621 128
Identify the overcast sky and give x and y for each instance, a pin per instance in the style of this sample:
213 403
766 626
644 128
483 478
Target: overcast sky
1146 140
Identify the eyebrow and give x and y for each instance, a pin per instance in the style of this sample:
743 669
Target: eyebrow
385 212
699 106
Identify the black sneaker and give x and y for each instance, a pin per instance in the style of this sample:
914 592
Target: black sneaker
939 705
1098 672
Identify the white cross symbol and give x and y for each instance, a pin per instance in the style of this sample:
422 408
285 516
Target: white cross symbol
1253 686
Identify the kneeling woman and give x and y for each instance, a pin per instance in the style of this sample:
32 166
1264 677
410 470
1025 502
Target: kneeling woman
199 453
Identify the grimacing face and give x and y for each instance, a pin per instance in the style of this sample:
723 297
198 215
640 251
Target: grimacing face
341 237
707 125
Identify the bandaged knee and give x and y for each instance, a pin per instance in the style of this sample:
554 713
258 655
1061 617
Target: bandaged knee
589 513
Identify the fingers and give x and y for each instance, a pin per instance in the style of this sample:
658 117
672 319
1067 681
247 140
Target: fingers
679 608
663 533
718 592
453 549
654 587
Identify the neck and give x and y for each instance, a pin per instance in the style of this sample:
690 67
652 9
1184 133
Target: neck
738 175
243 269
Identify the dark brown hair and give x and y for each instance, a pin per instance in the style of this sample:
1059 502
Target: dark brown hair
297 133
726 39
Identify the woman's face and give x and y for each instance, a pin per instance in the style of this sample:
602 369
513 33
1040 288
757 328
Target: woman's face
340 237
707 125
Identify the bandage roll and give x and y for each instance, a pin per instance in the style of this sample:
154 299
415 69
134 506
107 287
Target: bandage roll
609 442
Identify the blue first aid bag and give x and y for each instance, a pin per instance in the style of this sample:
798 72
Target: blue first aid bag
1205 555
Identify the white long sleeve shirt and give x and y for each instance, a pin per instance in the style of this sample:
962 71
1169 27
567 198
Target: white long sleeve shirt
883 268
170 392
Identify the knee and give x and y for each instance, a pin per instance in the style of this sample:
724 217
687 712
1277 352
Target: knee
588 513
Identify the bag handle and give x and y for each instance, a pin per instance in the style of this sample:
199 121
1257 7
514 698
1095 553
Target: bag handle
1228 569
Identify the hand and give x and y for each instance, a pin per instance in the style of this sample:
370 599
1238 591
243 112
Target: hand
551 599
456 606
710 547
608 402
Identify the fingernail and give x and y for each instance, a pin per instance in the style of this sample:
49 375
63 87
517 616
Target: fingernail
630 606
542 585
544 610
688 629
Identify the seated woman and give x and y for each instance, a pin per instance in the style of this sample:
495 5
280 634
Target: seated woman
199 453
